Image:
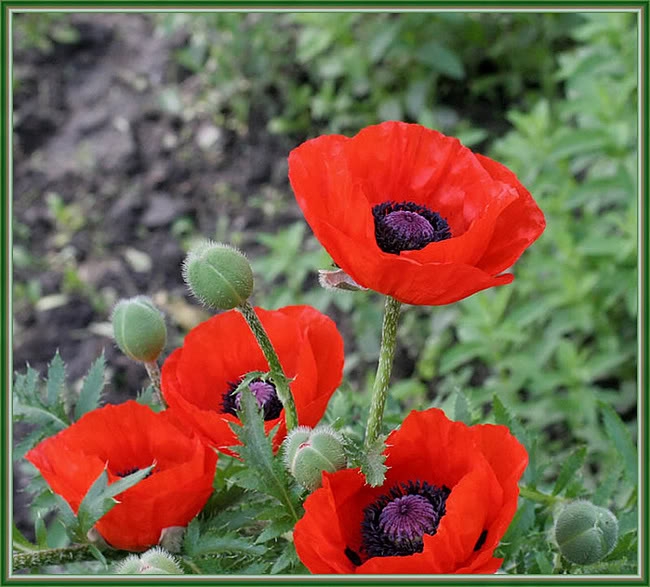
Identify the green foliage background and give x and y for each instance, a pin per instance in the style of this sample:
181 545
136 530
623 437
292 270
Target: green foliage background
554 355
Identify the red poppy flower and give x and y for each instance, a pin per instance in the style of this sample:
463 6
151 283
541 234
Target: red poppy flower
412 213
448 498
125 438
198 379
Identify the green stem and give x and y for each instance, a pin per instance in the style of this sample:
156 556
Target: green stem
277 373
384 369
538 496
58 556
153 370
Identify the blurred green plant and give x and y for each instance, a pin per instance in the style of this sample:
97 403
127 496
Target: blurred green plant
41 30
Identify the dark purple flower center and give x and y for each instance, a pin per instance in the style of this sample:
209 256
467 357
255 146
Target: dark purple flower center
265 394
395 523
406 226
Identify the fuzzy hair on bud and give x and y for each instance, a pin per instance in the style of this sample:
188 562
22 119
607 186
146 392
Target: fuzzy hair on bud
139 329
218 275
156 561
310 452
585 533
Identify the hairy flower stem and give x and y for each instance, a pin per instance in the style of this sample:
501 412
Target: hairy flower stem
539 497
277 373
153 370
58 556
384 369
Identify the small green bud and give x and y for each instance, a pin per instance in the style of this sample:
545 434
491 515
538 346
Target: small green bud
156 561
139 329
129 566
310 452
159 559
218 275
585 533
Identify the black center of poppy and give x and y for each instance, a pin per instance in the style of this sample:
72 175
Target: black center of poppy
406 226
395 524
130 471
265 394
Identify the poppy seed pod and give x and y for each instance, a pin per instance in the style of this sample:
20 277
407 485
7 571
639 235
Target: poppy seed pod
139 329
310 452
585 533
218 275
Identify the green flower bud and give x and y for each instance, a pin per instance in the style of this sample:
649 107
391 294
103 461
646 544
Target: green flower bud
585 533
159 559
129 566
310 452
156 561
218 275
139 329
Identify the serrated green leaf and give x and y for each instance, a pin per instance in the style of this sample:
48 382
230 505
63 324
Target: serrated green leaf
274 529
210 544
91 389
100 498
503 416
286 559
257 452
55 380
569 468
462 409
25 386
622 440
66 515
39 415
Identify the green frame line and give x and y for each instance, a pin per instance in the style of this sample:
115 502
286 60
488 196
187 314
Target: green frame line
643 409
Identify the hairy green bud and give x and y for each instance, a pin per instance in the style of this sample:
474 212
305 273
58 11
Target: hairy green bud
139 329
218 275
585 533
156 561
309 452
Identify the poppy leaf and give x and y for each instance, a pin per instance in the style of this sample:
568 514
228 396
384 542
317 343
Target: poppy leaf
211 544
100 498
68 519
91 389
257 453
55 379
503 416
286 559
274 529
621 439
18 540
569 469
462 408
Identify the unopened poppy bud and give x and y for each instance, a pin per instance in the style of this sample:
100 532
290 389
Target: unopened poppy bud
310 452
159 559
129 566
218 275
156 561
139 329
585 533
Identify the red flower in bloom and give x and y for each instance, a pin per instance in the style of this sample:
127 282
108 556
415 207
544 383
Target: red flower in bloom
125 438
448 498
198 379
412 213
